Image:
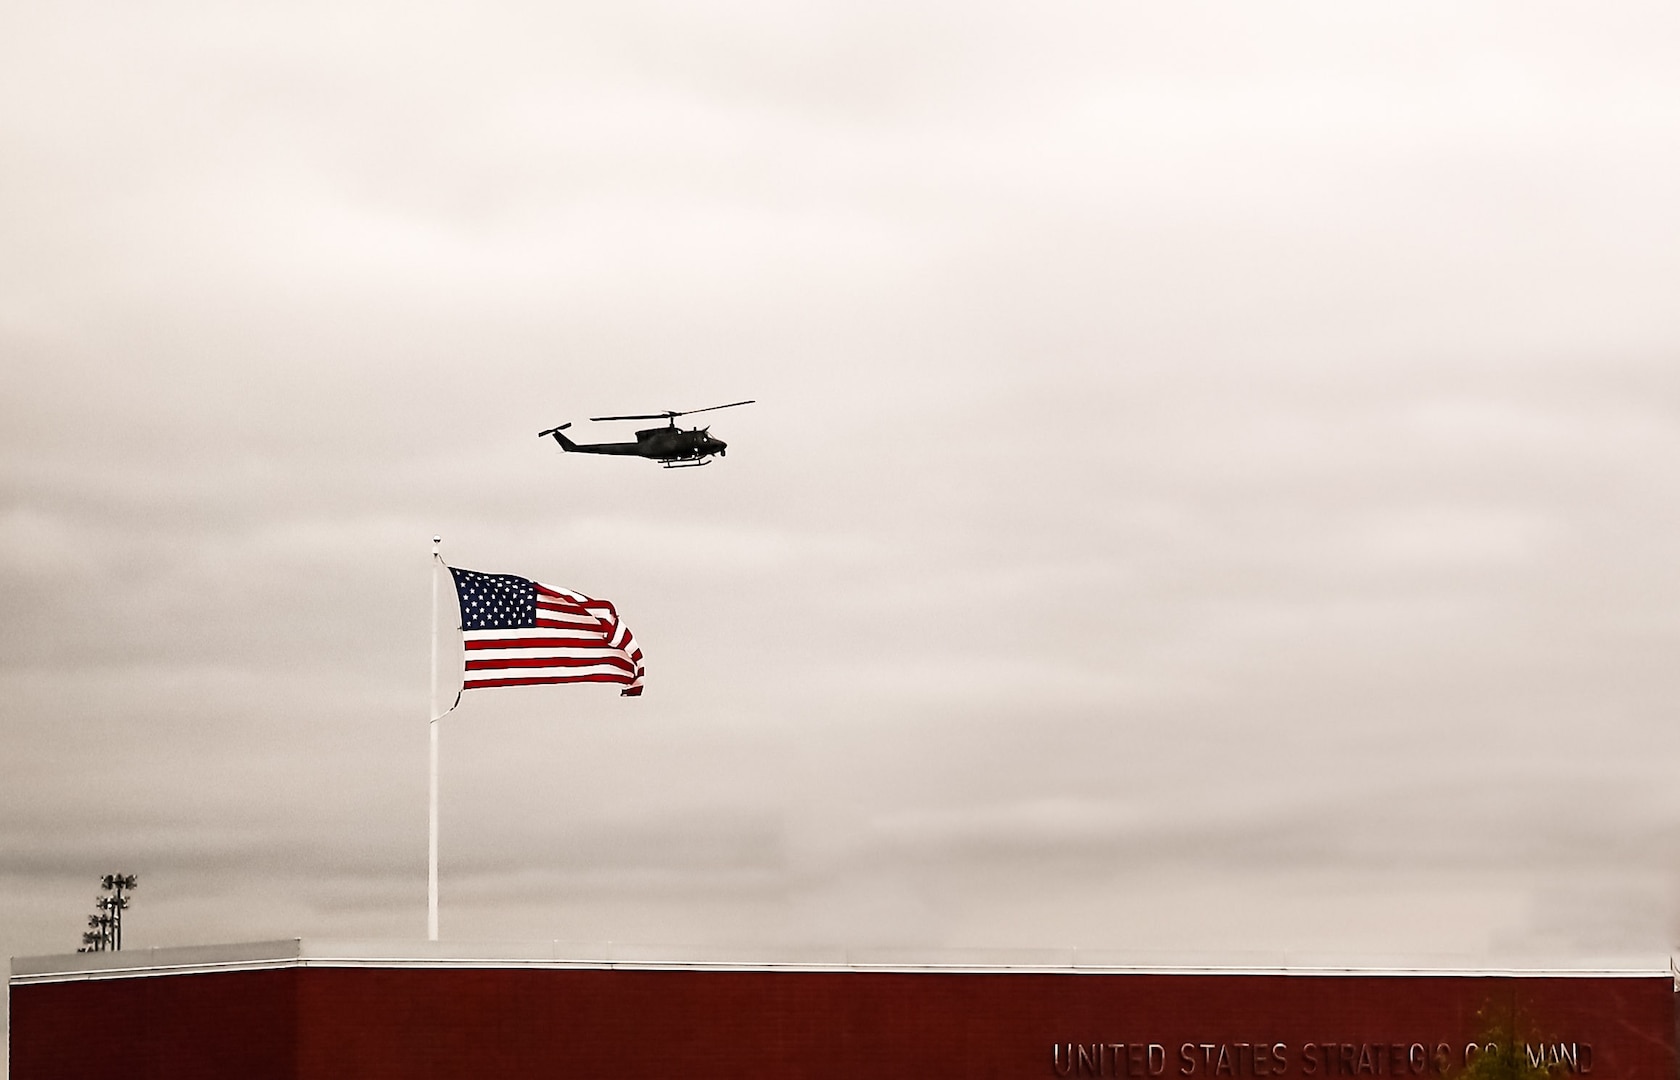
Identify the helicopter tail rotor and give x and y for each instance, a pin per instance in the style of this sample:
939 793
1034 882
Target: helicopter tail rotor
565 443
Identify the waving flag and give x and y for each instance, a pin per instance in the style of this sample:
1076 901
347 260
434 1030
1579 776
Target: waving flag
520 632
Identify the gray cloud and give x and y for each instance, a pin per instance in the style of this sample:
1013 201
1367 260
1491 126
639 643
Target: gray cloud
1209 490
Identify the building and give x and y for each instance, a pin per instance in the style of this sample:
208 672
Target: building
318 1010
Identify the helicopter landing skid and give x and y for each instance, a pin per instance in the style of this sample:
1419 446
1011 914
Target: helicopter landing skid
687 464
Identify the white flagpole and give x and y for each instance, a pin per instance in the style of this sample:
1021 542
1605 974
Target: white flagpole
432 860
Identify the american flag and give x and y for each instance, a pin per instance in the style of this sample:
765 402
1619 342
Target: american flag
520 632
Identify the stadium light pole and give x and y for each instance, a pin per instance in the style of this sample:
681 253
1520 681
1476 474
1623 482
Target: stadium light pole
101 926
108 918
118 884
94 938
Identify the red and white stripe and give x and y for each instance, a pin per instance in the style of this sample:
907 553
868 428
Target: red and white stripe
576 640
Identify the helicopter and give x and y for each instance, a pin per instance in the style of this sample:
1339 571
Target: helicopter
673 447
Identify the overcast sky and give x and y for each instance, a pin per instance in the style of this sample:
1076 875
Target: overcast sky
1213 482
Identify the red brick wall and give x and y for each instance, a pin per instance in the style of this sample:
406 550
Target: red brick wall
321 1023
235 1025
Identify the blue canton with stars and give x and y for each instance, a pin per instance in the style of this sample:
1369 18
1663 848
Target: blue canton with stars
495 601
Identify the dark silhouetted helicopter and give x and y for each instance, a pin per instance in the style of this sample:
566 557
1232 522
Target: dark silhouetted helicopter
671 446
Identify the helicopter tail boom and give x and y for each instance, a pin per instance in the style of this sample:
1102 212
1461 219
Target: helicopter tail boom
621 449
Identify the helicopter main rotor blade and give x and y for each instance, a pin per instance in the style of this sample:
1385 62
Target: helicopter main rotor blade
672 414
640 416
710 408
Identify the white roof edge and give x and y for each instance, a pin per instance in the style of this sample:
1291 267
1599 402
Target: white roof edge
298 952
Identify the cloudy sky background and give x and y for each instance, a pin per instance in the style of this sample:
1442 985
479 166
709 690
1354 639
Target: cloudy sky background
1212 488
